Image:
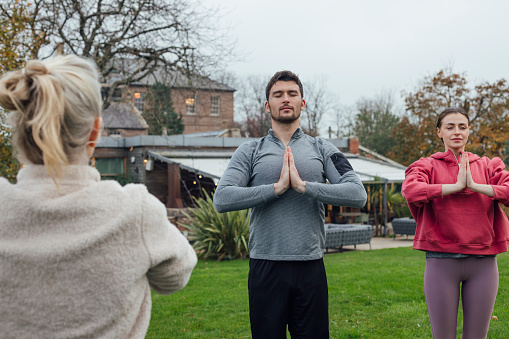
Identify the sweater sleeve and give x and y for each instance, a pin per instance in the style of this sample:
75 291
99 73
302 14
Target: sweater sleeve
416 188
233 191
172 258
345 188
499 180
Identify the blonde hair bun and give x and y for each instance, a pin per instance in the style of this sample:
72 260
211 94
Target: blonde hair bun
35 67
54 104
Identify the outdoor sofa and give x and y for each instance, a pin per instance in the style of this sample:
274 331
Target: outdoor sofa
339 235
405 226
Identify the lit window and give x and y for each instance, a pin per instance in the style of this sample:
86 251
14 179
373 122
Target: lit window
190 106
139 101
215 105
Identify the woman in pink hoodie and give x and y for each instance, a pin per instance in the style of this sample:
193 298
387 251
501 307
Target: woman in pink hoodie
454 197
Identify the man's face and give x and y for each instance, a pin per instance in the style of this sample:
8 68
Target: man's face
285 102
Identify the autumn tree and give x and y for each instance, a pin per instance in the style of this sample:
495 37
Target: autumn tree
489 114
487 105
8 164
130 40
375 121
159 114
17 44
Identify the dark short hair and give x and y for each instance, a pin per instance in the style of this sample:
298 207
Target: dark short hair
451 110
283 76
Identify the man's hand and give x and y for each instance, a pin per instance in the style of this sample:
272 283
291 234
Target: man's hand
283 184
295 181
289 176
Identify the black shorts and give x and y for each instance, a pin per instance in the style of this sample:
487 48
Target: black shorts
292 293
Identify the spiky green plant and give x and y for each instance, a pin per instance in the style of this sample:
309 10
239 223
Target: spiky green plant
397 204
221 236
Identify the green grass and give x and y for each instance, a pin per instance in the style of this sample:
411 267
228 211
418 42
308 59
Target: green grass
372 294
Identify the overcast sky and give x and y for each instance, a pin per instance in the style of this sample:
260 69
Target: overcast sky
365 47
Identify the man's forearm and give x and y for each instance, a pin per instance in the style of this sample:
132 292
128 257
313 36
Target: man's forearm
233 198
349 193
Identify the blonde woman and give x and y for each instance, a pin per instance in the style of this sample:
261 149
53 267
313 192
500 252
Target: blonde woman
77 255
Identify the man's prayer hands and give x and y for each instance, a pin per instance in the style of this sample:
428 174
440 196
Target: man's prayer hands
289 176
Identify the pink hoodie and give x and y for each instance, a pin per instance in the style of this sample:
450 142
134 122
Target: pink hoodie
465 222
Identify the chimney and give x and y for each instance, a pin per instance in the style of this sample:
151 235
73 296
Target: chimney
353 145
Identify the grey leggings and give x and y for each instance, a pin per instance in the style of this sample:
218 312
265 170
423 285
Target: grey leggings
479 286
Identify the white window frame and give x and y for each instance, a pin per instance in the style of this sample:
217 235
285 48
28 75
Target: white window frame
215 107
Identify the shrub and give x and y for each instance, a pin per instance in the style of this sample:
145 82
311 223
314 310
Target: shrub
398 204
221 236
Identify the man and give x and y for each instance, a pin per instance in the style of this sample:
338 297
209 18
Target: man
282 178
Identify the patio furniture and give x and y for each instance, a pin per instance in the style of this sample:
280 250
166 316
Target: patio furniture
339 235
405 226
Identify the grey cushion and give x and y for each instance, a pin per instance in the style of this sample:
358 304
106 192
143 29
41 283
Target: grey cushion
404 226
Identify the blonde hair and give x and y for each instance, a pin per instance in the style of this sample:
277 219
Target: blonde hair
54 105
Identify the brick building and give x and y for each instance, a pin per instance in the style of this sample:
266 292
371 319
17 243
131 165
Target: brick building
204 105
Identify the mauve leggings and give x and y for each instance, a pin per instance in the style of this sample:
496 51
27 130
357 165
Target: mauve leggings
479 286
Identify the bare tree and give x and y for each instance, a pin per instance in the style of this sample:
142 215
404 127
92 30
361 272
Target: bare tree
250 105
130 40
320 103
341 122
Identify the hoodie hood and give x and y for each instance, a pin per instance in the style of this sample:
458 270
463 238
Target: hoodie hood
449 156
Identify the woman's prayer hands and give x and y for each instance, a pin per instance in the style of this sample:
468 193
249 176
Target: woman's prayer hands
465 180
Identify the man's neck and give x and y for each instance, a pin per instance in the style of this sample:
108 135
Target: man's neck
284 132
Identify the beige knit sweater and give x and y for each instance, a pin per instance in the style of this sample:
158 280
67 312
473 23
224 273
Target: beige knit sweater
77 261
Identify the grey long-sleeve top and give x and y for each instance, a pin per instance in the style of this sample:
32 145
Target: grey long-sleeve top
291 226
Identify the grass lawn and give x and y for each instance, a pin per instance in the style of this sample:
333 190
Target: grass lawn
372 294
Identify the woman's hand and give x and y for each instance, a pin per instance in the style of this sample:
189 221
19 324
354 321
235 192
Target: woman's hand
470 180
479 188
463 172
461 180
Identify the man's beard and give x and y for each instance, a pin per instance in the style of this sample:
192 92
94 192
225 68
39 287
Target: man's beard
287 119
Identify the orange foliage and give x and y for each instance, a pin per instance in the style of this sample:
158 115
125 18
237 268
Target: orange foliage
487 105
